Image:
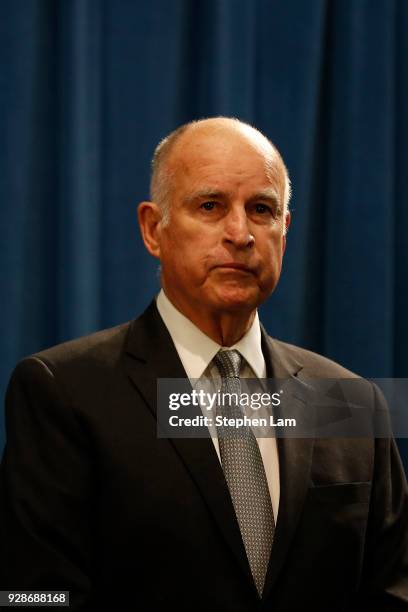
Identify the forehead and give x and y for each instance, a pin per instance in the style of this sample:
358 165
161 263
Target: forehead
224 157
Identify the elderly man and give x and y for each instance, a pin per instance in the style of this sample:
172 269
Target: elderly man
94 502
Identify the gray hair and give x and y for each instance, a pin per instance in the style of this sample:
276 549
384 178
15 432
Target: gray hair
160 182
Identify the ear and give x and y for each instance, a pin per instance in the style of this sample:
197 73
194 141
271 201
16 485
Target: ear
149 216
287 223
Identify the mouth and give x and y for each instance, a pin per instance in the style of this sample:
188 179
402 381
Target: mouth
235 266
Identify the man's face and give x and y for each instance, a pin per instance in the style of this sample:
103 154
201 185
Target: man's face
222 248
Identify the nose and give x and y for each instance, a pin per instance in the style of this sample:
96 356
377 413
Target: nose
236 229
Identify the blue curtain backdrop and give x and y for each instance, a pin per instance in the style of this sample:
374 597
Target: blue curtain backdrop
87 89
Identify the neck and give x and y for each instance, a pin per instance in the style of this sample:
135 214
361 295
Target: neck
224 327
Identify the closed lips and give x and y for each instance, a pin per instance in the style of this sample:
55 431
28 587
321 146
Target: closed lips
235 266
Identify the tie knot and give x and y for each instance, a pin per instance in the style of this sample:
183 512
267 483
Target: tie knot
228 363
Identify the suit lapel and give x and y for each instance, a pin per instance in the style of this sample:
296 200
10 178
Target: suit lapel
295 457
151 354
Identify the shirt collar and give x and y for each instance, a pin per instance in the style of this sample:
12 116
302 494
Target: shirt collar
196 350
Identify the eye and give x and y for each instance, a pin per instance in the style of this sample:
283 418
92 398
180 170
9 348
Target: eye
262 209
208 205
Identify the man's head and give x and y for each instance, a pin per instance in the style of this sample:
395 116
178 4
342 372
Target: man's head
218 216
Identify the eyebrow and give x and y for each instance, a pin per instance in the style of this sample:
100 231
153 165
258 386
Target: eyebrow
266 194
211 194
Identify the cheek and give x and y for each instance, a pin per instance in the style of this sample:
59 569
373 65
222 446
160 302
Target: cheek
271 255
269 248
187 264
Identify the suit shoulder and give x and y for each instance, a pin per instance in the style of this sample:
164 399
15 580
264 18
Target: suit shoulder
101 347
312 363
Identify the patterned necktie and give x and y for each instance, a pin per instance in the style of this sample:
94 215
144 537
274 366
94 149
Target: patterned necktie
245 474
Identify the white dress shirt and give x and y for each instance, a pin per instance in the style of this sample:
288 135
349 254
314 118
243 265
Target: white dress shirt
196 351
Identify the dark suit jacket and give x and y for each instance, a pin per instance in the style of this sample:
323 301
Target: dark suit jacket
93 502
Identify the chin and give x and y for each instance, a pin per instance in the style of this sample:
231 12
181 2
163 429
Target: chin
236 299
